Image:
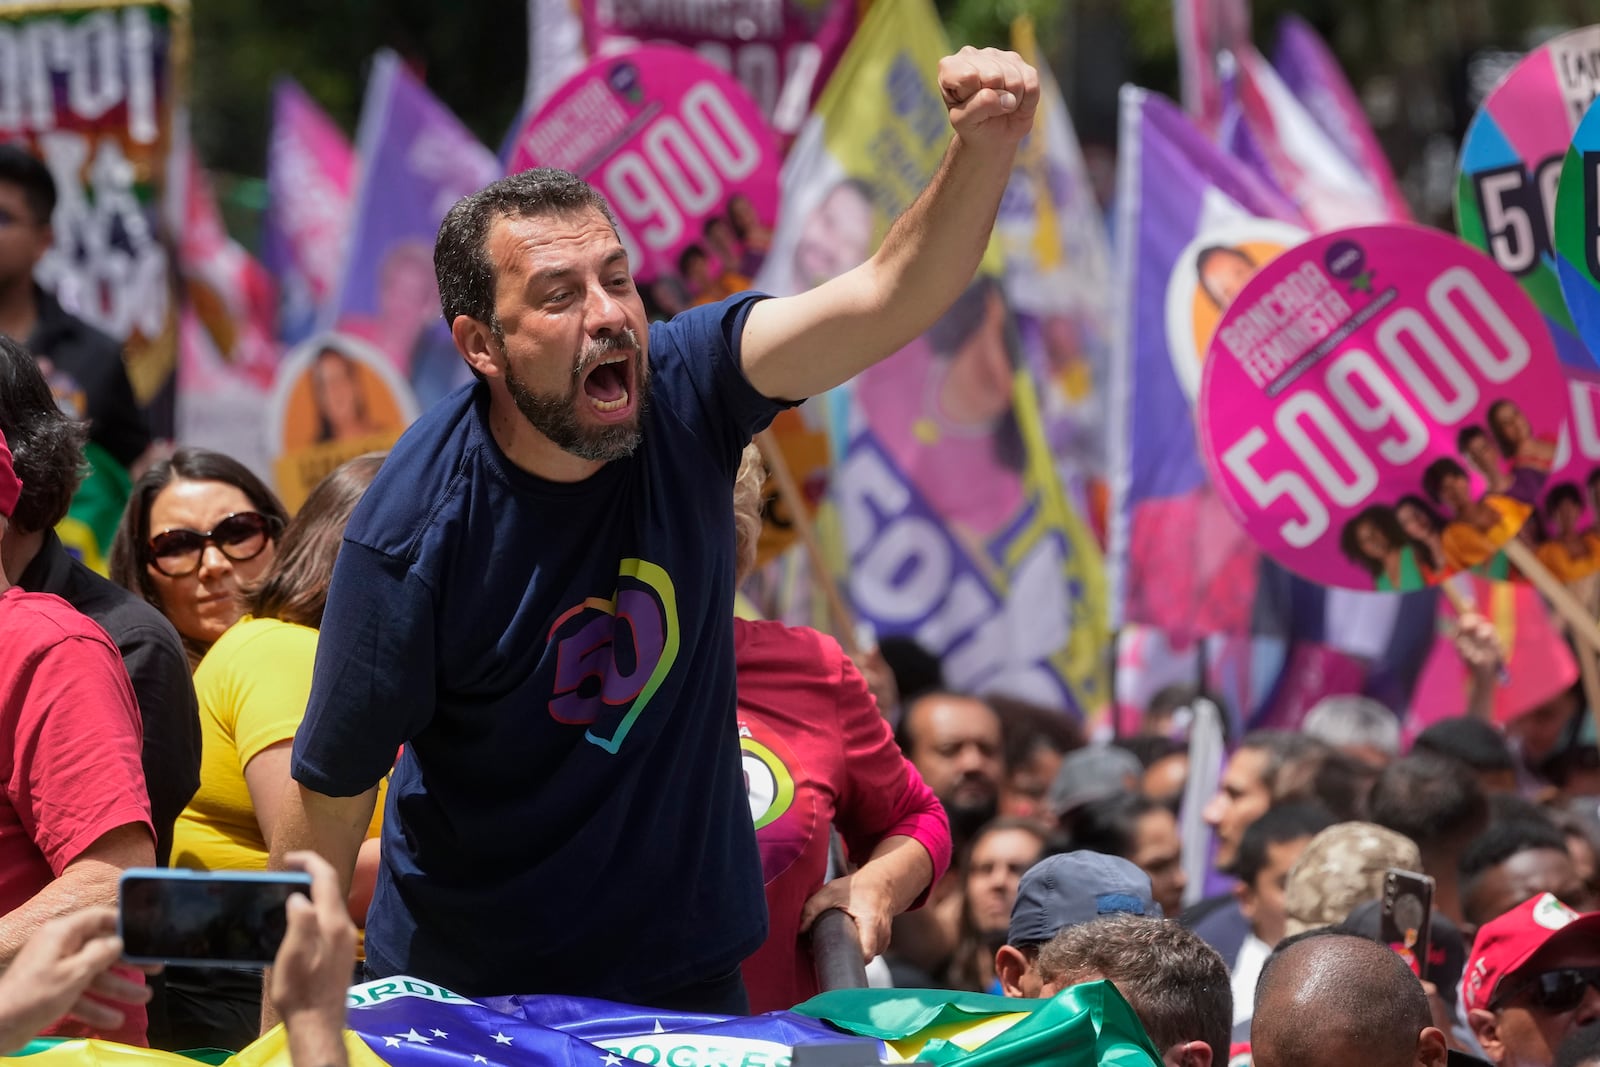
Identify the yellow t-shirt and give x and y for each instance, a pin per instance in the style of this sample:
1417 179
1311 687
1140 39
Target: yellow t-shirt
253 687
1554 555
1466 546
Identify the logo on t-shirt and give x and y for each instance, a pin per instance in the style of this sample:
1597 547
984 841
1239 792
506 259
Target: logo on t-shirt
612 655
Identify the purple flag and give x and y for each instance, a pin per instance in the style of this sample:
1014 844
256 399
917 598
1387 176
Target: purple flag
310 172
1194 225
417 160
1312 74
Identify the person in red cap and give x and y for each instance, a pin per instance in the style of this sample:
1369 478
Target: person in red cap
74 813
1533 978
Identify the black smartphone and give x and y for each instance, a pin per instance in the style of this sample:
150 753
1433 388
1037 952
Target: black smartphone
1407 914
211 918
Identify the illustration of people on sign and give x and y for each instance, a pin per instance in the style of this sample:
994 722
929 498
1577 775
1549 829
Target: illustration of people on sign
1530 457
836 235
1425 528
341 398
1477 528
1375 541
1571 553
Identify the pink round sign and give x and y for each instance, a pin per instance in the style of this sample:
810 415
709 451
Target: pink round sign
1381 408
681 152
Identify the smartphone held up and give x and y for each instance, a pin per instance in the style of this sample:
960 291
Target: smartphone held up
207 918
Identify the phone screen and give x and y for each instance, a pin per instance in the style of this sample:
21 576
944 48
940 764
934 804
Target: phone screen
216 917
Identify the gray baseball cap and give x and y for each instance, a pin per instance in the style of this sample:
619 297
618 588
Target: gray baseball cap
1094 773
1074 888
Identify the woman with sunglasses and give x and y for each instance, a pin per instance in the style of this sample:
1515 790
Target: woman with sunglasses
196 527
253 687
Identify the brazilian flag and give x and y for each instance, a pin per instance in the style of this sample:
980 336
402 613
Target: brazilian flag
96 509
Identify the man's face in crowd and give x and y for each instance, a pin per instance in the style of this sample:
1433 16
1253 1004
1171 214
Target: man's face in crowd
23 240
575 330
1524 1029
1027 785
956 748
1262 900
1539 731
1158 852
1524 876
999 860
1242 798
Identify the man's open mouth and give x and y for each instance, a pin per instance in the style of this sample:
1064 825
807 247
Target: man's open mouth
609 383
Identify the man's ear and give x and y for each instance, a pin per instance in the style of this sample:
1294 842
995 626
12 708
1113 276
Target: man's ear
477 345
1245 894
1486 1028
1188 1054
1433 1050
1009 966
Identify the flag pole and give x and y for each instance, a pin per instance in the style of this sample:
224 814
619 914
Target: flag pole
844 620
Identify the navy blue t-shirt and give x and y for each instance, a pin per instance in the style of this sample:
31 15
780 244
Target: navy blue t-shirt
569 813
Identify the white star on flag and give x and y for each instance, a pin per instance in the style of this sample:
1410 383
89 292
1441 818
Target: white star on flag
659 1028
480 1059
413 1036
501 1039
612 1059
392 1042
439 1033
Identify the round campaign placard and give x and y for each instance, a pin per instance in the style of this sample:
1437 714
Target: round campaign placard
1577 230
1511 163
682 154
1380 408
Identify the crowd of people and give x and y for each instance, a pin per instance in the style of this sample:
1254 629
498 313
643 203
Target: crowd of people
489 690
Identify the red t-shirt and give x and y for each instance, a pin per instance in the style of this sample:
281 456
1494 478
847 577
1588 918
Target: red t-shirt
70 739
816 751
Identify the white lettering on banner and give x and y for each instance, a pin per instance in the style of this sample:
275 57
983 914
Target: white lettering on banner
1338 465
1279 328
107 263
368 994
106 61
1584 426
582 125
699 1050
688 163
907 571
737 20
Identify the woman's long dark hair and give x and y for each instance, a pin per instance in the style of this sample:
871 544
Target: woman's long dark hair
130 547
295 587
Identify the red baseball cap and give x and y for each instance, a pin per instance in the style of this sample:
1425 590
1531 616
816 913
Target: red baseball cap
10 484
1505 944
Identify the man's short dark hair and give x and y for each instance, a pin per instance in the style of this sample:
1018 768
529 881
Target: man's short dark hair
46 446
1470 741
1437 471
1503 839
1027 727
1150 749
1435 801
915 669
27 171
1278 824
460 255
1176 983
1338 990
1108 825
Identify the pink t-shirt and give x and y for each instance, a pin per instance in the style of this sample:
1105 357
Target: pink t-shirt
70 738
816 751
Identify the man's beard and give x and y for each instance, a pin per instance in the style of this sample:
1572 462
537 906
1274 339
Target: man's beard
557 416
967 817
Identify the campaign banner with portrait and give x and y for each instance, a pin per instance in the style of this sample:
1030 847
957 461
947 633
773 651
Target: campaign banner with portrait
311 171
685 159
93 88
1510 170
1381 408
956 528
416 161
336 397
1183 205
781 51
1313 75
1058 282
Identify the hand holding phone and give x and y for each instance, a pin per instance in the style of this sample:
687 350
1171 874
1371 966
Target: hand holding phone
1407 915
205 918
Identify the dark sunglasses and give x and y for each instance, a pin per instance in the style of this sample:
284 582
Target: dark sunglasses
1555 992
241 536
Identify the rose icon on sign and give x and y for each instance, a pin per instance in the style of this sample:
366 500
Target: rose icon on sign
1347 262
